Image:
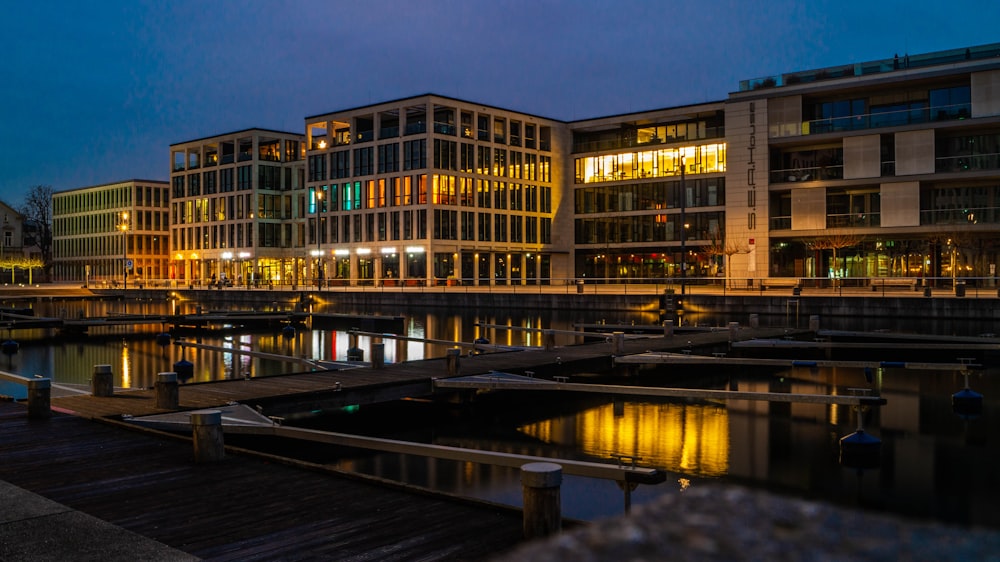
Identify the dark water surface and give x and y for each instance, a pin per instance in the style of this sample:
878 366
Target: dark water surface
933 464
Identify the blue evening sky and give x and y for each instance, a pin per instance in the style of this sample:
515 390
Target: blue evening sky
95 92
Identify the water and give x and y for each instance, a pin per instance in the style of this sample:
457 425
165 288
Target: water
934 464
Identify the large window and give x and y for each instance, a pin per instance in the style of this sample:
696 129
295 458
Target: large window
665 162
415 154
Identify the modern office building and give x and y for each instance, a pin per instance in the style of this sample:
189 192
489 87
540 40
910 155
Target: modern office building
889 168
434 190
649 194
102 231
236 210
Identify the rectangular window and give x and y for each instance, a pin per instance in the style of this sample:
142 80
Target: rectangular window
340 164
244 178
483 127
226 184
483 161
468 225
364 161
415 154
407 225
468 158
516 197
484 227
500 196
388 158
531 230
545 234
483 193
516 228
500 228
317 167
445 154
500 162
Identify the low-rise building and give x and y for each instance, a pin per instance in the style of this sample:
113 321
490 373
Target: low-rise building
111 233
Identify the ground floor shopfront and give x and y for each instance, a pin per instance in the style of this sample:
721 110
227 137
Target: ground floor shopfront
387 267
972 256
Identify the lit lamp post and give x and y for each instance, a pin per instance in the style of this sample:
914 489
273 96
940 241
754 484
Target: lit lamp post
683 228
123 226
319 252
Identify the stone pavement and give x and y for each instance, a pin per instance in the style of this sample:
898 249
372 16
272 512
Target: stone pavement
35 529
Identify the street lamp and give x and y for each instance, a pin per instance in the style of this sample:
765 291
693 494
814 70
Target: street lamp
683 227
319 252
123 226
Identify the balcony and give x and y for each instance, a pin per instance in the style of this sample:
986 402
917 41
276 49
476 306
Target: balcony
877 120
807 174
964 216
444 128
967 163
854 220
415 128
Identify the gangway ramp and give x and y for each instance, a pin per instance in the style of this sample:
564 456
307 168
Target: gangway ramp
666 358
508 381
241 419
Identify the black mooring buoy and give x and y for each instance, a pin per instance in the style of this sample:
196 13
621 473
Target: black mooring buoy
163 339
967 403
184 370
860 450
288 331
9 347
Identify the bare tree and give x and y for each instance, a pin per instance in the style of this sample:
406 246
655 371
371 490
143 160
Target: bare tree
37 211
835 241
728 247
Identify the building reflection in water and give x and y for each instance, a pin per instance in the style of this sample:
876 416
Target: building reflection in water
685 438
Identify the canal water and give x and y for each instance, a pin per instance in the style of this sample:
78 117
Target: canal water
933 464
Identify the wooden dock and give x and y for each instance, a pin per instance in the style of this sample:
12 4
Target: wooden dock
285 395
245 507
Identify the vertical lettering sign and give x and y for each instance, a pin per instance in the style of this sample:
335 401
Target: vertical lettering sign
751 170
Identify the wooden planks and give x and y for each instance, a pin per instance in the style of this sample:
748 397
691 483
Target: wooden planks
243 507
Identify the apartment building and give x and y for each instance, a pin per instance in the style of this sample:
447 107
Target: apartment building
888 168
235 209
107 234
433 190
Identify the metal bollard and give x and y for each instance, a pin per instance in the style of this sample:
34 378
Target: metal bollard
39 399
755 321
668 328
102 382
209 444
540 482
618 343
734 330
378 355
454 366
814 323
167 394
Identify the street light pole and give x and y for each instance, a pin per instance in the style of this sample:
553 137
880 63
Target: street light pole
319 252
683 228
124 228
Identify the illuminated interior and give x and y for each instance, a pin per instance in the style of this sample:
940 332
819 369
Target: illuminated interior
658 163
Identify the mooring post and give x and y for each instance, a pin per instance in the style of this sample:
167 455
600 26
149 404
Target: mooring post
209 444
814 323
453 362
540 482
166 391
39 399
755 321
668 328
618 343
378 355
734 331
549 339
102 382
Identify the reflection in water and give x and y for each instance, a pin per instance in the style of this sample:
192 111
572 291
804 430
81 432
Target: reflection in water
687 438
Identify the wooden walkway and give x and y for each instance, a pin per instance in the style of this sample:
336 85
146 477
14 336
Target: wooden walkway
287 394
244 507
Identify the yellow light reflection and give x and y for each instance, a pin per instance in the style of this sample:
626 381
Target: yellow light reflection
688 438
126 370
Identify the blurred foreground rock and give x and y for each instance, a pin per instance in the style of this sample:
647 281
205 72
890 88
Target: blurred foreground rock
733 523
